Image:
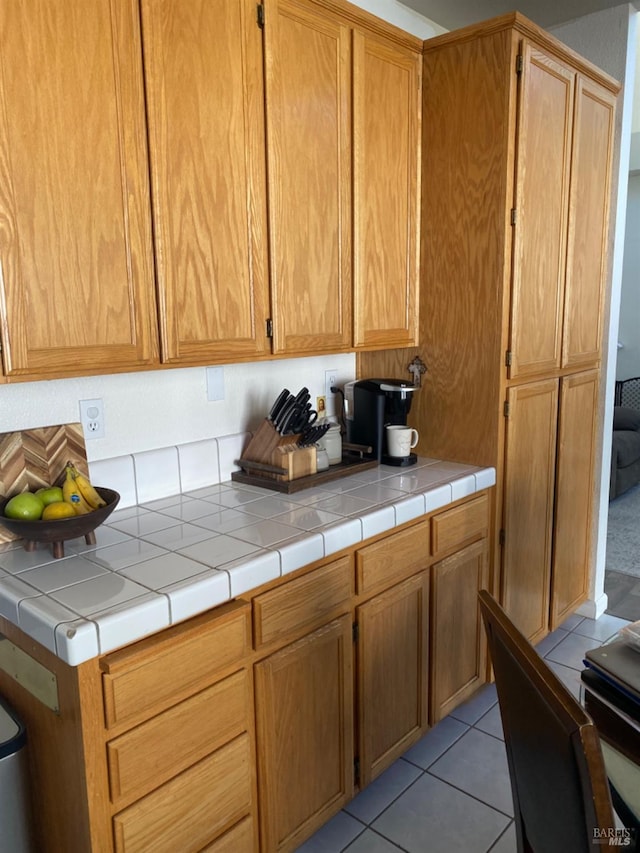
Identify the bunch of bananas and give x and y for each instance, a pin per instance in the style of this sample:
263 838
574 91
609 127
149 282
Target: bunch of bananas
78 491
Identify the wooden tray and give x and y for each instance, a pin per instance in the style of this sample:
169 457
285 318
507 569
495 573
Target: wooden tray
349 465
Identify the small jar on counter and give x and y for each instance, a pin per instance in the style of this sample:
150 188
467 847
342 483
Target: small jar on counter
331 441
322 458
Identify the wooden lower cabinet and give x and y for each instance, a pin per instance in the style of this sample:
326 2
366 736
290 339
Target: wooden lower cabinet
551 453
392 661
237 840
248 727
574 504
150 754
304 716
528 504
189 811
458 646
180 750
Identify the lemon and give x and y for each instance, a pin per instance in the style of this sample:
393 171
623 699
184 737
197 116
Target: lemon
25 506
58 509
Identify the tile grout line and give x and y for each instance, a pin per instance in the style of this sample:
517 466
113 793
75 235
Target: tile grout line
468 794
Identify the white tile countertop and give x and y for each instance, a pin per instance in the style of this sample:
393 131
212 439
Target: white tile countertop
160 562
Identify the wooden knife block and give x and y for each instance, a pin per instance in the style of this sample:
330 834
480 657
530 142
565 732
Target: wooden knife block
277 457
297 461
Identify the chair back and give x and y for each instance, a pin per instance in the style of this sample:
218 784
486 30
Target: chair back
627 393
560 790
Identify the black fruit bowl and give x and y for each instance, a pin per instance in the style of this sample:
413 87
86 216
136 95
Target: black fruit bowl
61 529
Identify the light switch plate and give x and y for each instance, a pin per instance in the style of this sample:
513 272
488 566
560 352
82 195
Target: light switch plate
215 383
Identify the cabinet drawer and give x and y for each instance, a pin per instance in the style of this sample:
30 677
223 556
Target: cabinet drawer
302 604
460 525
146 678
150 754
392 559
189 811
239 839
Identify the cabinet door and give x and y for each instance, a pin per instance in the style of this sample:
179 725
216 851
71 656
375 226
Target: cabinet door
392 673
386 157
308 100
542 191
203 76
76 278
587 257
304 709
528 504
575 478
458 646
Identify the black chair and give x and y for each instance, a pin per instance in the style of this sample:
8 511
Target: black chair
627 393
560 790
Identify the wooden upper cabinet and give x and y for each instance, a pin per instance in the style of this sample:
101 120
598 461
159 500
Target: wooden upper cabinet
542 197
308 106
589 201
386 155
204 83
76 289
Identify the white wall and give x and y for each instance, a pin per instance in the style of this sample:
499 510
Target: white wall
634 161
143 411
159 408
401 16
629 330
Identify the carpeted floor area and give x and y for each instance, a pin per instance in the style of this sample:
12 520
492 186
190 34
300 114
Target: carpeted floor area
623 592
622 572
623 534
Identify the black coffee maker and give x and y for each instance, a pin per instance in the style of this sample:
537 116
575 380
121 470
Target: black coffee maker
371 404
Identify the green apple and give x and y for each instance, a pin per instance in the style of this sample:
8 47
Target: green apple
50 495
25 506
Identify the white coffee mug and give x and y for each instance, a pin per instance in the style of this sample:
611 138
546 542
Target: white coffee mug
400 439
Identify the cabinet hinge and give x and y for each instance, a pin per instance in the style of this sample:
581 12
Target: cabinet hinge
260 14
508 358
269 327
514 215
356 632
507 409
519 63
356 771
502 537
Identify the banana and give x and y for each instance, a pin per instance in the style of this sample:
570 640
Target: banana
86 489
71 494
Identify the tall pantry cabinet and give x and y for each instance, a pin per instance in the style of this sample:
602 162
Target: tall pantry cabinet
517 150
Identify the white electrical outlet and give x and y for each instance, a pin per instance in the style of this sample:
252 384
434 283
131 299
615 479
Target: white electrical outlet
330 379
92 418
